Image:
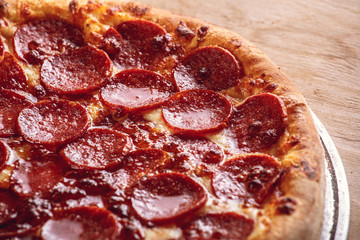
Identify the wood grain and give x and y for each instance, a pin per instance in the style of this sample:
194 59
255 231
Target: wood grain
317 44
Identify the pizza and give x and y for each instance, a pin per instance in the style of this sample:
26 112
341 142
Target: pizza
122 121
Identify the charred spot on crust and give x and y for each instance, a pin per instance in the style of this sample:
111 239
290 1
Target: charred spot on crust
286 205
185 31
294 140
25 10
258 82
73 6
138 10
3 6
203 31
236 42
310 171
270 87
112 10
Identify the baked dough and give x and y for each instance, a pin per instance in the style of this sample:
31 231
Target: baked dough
298 212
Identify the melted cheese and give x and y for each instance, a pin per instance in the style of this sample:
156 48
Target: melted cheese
99 21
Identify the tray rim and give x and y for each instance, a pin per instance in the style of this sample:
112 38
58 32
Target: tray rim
337 227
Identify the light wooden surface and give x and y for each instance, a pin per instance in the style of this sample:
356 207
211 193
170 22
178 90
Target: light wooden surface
317 44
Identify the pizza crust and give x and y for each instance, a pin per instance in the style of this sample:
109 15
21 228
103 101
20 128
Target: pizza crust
302 155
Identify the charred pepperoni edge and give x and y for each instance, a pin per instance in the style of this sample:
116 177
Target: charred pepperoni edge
247 161
99 218
227 117
76 132
278 106
197 190
186 65
95 80
132 166
134 26
8 203
24 102
1 47
234 224
76 33
132 169
12 76
125 76
126 42
31 213
31 170
4 154
88 136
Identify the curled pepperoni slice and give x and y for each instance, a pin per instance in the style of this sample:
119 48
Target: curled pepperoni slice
195 149
136 44
53 122
35 178
135 90
99 148
222 226
4 155
7 206
12 76
258 122
197 111
81 223
167 197
191 153
141 131
248 177
210 67
26 216
139 30
76 71
38 39
144 160
137 164
10 105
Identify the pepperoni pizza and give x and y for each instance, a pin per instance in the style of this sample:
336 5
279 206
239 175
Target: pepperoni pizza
121 121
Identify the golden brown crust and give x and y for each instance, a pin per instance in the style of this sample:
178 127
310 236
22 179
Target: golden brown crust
302 157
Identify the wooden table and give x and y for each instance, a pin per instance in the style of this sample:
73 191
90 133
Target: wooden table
317 44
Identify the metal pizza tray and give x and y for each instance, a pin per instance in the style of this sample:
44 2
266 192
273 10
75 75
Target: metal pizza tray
337 200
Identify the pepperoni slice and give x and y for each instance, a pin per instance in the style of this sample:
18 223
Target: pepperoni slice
197 111
12 76
10 105
4 155
195 149
141 131
222 226
82 188
7 206
167 197
248 177
35 178
53 122
99 148
81 223
26 216
209 67
258 123
144 160
192 153
137 164
76 71
38 39
134 90
136 44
